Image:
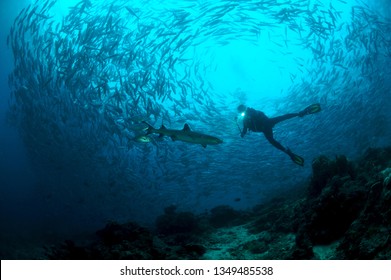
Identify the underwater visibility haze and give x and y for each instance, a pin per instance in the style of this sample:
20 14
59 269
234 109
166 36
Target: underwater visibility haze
126 111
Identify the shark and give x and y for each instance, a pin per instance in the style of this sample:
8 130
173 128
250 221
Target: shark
185 135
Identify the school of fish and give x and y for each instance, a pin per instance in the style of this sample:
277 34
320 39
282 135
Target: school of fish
83 86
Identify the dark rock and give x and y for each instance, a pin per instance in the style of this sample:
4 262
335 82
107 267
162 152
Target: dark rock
334 201
115 233
333 212
303 249
276 215
256 246
321 173
194 249
224 216
369 236
175 223
68 251
324 169
170 210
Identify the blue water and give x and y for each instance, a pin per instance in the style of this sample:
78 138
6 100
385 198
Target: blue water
68 159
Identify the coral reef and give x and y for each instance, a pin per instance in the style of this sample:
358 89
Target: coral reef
343 213
352 207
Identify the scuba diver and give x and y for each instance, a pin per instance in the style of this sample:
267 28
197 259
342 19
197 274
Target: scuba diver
257 121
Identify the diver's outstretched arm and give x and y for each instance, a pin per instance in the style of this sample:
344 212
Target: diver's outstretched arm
243 132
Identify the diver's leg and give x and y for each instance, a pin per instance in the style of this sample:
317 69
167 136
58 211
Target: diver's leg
295 158
269 136
276 120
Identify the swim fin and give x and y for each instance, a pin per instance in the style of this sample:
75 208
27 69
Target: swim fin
312 109
295 158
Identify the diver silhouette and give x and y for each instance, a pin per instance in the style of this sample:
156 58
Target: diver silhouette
257 121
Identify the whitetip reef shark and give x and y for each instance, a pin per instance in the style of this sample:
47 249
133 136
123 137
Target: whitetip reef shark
185 135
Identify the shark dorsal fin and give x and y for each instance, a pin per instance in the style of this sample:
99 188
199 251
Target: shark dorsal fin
162 127
186 127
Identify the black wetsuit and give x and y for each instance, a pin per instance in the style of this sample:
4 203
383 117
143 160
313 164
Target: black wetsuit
257 121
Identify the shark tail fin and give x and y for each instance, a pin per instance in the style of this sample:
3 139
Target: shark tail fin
150 128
